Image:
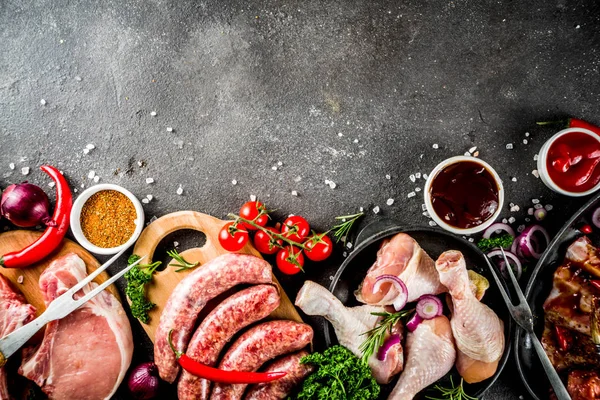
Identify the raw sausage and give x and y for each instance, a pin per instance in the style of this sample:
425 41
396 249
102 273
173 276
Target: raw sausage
192 294
257 346
281 388
224 321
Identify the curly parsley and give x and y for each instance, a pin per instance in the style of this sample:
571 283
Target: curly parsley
340 376
504 241
137 278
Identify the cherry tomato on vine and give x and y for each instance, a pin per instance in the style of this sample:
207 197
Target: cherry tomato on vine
232 237
318 247
290 260
295 228
254 211
265 243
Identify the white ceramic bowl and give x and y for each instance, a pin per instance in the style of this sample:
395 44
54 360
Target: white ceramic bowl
543 157
441 222
76 216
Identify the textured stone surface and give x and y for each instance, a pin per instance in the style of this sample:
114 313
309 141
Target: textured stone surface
348 91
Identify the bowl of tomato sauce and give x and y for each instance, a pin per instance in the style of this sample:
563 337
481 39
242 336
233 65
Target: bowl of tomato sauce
569 162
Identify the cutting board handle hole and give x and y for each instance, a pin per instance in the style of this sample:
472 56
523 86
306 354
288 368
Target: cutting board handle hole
185 239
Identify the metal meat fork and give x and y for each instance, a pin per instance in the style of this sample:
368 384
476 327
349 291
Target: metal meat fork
521 313
59 308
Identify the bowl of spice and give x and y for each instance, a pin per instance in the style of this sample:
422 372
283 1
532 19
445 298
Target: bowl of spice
464 195
106 218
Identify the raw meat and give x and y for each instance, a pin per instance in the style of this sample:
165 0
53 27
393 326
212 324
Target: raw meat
430 354
224 321
14 313
477 330
403 257
191 295
350 323
85 355
584 385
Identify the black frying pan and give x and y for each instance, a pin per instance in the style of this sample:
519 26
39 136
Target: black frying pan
434 242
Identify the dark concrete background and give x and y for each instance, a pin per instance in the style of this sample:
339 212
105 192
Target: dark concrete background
348 91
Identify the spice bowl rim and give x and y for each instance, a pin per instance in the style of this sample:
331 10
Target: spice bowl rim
543 168
429 204
75 219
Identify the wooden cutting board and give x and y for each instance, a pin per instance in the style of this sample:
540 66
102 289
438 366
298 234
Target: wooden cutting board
165 281
16 240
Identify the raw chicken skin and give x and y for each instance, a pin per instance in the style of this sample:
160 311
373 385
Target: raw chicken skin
478 332
430 354
350 323
400 256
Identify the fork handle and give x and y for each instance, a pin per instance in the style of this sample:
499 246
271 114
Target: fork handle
15 340
555 381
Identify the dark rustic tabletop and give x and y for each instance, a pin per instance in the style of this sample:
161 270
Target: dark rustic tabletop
278 99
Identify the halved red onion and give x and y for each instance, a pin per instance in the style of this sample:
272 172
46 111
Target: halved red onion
429 306
414 322
518 268
497 228
596 218
525 245
387 344
400 300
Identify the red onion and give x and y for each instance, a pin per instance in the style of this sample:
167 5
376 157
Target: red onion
143 381
387 345
518 268
526 245
400 300
26 205
596 218
414 322
429 306
497 228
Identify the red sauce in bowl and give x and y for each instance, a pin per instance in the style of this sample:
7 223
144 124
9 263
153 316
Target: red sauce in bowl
572 162
464 194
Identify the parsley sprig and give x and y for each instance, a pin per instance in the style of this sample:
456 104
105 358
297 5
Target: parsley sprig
451 393
137 278
183 263
376 336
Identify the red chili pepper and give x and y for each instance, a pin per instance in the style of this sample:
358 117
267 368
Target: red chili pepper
573 123
586 229
596 283
561 337
220 375
53 235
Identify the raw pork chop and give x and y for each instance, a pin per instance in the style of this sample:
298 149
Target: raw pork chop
85 355
14 313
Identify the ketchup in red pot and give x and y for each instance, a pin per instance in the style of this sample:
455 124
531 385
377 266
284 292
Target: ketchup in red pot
572 162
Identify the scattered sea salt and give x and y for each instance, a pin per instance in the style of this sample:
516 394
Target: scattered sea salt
20 279
536 157
140 164
78 78
514 179
432 223
515 208
388 177
435 146
535 173
411 194
535 201
526 134
511 220
75 190
355 140
179 190
467 154
361 209
145 201
11 165
294 193
511 204
527 219
417 189
548 207
175 244
169 129
345 254
504 221
349 245
472 149
52 184
153 113
471 240
149 180
340 134
86 151
297 179
389 202
525 141
521 228
509 146
423 207
332 184
82 185
412 178
530 211
426 214
43 102
425 176
376 209
25 170
149 197
274 167
418 175
279 163
252 197
90 146
96 178
233 182
538 206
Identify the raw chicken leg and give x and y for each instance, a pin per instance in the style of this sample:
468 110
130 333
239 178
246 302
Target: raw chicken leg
430 354
403 257
349 324
478 332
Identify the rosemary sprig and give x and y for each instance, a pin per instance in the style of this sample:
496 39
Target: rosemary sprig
451 393
183 263
376 336
342 229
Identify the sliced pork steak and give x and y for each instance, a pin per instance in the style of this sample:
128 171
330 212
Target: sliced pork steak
14 313
85 355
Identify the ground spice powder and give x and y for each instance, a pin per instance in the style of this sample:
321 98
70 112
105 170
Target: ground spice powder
108 219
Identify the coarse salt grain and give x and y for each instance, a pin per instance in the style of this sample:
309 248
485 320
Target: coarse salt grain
96 178
432 223
514 179
145 201
355 140
472 149
11 165
423 207
25 170
149 197
78 78
467 154
509 146
332 184
535 201
515 208
388 177
20 279
90 146
411 194
340 134
511 220
535 173
417 189
536 157
526 134
279 163
426 214
43 102
389 202
418 175
435 146
175 244
530 211
274 167
294 193
361 209
169 129
511 204
149 180
521 228
504 221
376 209
538 206
153 113
252 197
471 240
525 141
233 182
412 178
179 190
349 245
52 184
527 219
548 207
425 176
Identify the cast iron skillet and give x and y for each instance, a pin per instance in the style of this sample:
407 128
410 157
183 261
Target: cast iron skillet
434 242
538 289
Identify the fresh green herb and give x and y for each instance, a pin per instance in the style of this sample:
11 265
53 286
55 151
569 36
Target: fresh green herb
451 393
137 278
183 263
376 336
503 241
342 229
340 376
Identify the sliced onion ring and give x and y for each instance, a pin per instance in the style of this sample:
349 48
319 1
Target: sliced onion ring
429 306
498 227
414 322
596 218
400 300
510 256
526 246
387 344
